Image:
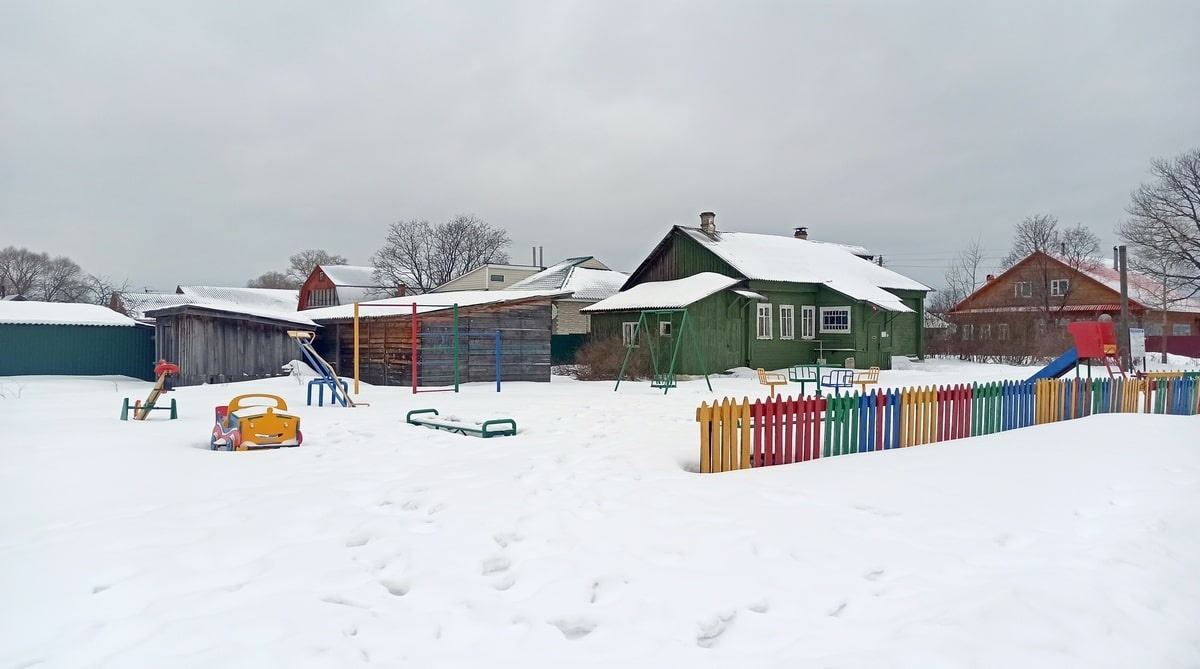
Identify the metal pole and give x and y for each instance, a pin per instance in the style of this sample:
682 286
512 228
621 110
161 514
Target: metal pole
355 348
414 348
455 347
1123 328
497 361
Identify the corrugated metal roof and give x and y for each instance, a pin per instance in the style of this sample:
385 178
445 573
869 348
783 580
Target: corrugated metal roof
266 298
583 283
359 276
675 294
426 303
297 317
31 312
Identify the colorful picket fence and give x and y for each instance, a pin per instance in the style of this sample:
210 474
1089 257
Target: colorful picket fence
784 430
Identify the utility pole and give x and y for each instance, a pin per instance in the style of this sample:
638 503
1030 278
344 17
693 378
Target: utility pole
1123 325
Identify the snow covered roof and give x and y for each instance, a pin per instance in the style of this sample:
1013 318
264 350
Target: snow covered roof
583 283
426 303
268 298
779 258
357 276
296 317
1142 289
674 294
30 312
137 304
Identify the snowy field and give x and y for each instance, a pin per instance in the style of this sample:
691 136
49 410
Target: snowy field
584 541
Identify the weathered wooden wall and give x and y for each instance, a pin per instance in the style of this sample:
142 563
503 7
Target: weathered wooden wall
212 347
385 346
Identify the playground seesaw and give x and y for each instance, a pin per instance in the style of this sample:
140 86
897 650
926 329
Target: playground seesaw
497 427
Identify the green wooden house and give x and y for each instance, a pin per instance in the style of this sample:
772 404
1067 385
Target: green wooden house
770 301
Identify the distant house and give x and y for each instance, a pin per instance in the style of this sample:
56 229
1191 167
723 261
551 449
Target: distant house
488 277
522 318
72 339
584 281
770 301
334 285
1024 310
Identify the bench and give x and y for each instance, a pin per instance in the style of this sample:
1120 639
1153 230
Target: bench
771 379
838 378
864 379
805 374
497 427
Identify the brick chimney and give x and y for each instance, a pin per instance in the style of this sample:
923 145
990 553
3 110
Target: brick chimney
801 233
708 222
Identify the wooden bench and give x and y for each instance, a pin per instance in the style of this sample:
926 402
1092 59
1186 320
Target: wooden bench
497 427
838 377
771 379
864 379
805 374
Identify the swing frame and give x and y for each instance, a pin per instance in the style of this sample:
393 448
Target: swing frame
664 380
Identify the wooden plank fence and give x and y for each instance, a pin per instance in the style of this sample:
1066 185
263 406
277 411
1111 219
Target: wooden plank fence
784 430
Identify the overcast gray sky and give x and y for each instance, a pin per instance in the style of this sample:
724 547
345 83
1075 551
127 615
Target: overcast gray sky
202 143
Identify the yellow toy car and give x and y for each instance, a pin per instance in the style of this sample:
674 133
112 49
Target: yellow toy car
247 422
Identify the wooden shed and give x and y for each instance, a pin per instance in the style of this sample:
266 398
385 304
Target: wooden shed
213 344
523 320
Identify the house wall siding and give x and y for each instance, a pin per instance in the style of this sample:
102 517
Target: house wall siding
717 322
569 321
683 257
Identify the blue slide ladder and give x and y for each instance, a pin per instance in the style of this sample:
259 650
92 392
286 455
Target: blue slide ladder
338 390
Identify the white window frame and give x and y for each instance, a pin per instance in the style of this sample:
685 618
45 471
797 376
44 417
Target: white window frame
628 332
664 328
1023 289
1181 329
808 322
985 331
968 331
1002 332
1056 291
833 311
787 321
763 325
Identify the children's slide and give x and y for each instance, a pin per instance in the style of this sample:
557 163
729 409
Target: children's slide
1058 366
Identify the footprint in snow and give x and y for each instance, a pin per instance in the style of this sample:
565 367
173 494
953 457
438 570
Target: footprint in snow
573 628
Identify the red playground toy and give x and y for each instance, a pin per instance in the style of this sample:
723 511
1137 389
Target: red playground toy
1094 340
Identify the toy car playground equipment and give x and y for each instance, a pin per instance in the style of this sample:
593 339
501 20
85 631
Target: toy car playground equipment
339 392
1094 340
141 410
248 422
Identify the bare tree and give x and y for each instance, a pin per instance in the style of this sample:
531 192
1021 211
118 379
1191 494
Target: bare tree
62 280
1164 217
422 256
1168 288
273 280
1051 247
303 264
100 289
20 270
965 274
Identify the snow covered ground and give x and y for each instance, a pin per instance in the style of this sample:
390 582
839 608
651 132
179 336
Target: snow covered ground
584 541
